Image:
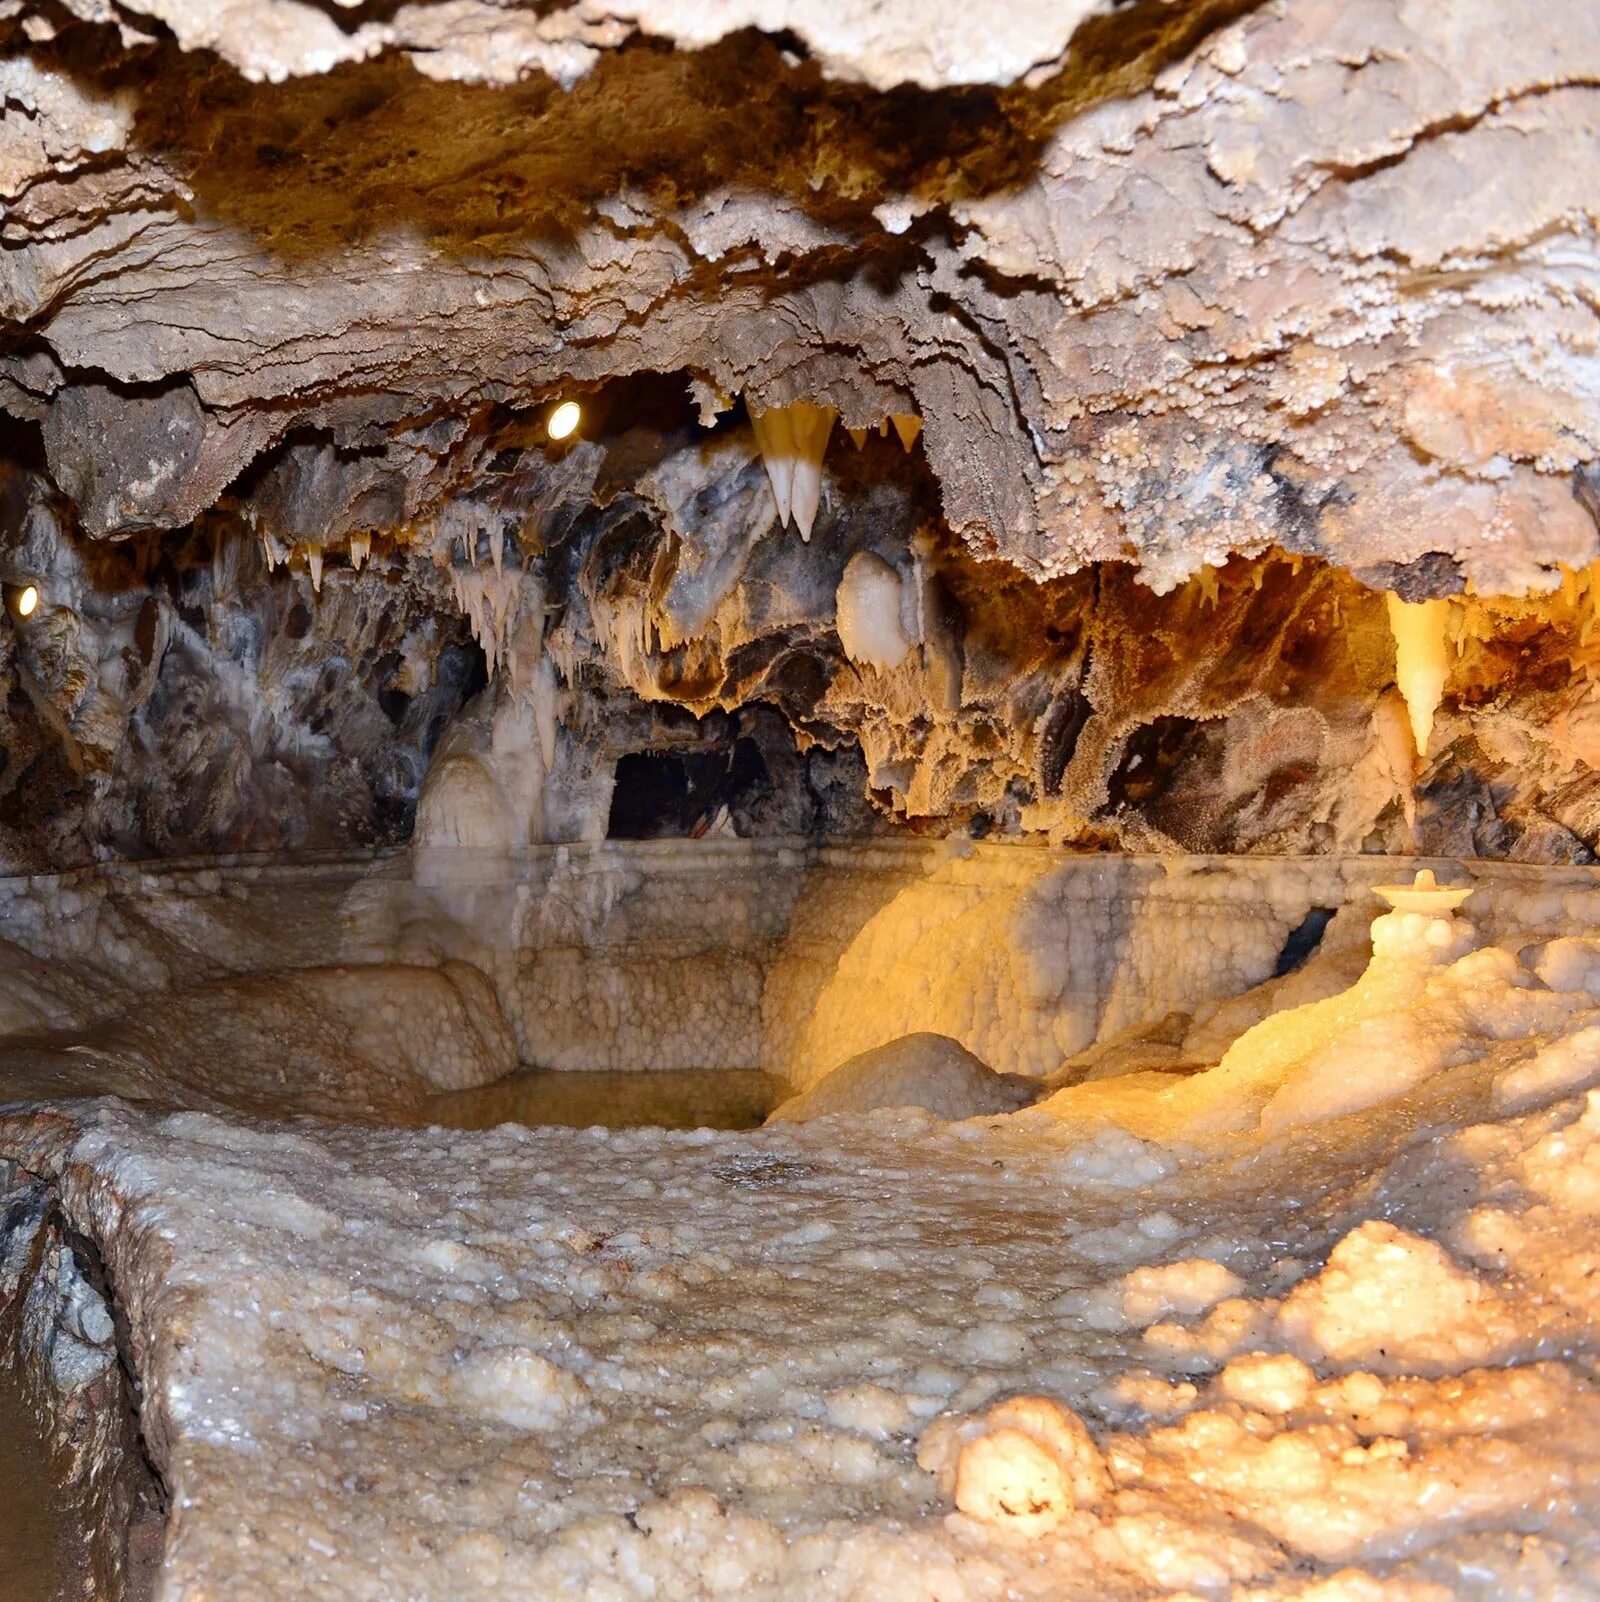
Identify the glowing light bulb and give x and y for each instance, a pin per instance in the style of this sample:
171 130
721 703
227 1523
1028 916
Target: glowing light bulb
564 420
27 600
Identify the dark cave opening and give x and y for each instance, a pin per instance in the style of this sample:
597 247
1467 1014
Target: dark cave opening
666 795
1303 940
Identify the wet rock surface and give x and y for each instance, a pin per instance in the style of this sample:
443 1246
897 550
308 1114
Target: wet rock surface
572 1361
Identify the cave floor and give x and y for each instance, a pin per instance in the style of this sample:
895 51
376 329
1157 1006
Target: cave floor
580 1363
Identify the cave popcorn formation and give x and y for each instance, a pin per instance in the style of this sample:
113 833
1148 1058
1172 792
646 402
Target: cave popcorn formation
1040 1040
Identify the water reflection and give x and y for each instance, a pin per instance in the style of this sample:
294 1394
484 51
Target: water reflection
35 1511
695 1098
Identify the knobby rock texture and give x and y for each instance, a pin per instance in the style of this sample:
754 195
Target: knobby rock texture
1310 287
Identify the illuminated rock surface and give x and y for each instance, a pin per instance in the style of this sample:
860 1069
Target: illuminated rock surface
678 1365
867 553
927 1071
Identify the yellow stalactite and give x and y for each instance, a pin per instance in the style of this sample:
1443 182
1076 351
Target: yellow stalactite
1421 660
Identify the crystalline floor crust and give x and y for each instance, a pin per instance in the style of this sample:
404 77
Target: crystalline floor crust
1353 1361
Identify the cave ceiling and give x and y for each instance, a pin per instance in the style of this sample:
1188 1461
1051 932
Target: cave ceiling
1162 284
1148 285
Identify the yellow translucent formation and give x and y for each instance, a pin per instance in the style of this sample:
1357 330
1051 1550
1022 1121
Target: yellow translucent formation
907 425
1424 894
1421 660
28 600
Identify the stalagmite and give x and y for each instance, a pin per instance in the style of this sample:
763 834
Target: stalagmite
1424 894
1392 729
1422 660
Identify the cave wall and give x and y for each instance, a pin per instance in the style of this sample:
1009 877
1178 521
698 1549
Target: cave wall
666 663
1203 324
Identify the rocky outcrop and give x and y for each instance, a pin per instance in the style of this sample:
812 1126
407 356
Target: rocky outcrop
68 1406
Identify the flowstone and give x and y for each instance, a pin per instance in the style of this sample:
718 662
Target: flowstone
1346 1362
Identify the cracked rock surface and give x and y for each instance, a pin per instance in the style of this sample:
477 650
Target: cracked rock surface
1143 289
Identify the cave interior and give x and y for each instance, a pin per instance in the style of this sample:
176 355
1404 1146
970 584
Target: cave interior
799 799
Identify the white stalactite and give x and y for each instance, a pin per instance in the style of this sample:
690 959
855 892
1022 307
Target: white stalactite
775 440
792 440
870 607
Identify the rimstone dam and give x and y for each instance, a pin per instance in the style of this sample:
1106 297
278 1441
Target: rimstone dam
799 801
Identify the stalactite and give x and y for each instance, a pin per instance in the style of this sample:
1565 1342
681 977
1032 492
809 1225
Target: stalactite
1422 660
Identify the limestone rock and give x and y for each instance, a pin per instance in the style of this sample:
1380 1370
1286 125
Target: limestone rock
929 1071
1161 302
